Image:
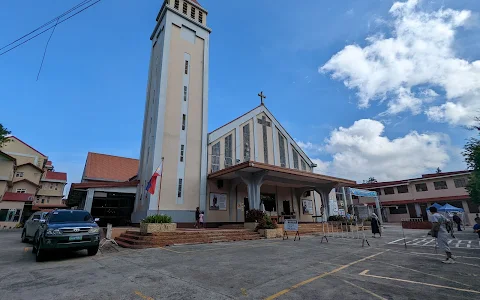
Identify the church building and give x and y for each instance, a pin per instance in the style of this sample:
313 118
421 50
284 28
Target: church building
251 162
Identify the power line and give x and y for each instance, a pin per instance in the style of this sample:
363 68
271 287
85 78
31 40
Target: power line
60 22
49 22
45 51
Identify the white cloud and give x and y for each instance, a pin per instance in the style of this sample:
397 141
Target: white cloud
362 150
309 147
419 52
322 166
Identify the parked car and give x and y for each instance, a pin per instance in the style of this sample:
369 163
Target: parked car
66 229
31 225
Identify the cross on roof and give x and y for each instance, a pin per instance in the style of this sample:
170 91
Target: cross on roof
262 96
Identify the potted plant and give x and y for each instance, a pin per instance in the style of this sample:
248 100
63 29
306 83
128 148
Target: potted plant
267 228
157 223
252 217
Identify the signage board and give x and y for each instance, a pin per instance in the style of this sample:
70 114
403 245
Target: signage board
290 225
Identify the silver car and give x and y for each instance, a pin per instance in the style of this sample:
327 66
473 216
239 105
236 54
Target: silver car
31 225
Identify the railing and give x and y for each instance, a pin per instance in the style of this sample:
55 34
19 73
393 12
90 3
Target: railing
412 219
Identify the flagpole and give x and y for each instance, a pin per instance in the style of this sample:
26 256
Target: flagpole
160 189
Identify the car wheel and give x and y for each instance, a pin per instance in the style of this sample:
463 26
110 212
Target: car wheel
40 254
92 251
24 236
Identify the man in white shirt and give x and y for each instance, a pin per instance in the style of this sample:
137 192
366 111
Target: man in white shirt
439 230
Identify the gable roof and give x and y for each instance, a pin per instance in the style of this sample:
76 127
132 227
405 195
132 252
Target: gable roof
26 180
29 164
106 167
60 176
27 145
19 197
224 129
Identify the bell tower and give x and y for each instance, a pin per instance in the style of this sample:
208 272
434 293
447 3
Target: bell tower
175 119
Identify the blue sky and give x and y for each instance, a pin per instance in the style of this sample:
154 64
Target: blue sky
91 91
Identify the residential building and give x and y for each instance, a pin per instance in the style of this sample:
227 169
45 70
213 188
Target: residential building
28 182
409 198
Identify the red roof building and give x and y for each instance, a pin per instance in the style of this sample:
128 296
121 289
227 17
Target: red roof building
103 167
55 176
19 197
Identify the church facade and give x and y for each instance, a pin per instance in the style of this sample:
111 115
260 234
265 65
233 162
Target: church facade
251 162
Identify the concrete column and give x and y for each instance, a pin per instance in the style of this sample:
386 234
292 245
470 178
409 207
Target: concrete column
232 197
254 183
418 210
89 200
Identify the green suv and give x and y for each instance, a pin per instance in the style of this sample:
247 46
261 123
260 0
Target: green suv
66 230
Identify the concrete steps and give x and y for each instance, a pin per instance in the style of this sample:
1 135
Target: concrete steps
134 240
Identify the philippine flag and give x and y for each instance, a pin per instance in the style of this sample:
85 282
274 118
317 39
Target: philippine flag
153 181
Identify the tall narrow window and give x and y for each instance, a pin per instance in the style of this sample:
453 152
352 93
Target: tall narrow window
295 159
192 12
184 93
263 121
186 67
182 151
177 4
304 165
185 7
179 193
246 142
200 16
281 142
216 157
184 119
228 151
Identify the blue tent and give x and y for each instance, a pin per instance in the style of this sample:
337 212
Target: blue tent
449 208
438 206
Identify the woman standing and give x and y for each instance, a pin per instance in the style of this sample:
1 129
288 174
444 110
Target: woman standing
375 225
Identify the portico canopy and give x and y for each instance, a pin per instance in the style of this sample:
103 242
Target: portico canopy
255 174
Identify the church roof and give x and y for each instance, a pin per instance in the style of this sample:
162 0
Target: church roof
195 1
106 167
222 130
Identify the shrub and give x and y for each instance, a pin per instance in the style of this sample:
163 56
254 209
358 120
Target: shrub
157 219
266 223
254 215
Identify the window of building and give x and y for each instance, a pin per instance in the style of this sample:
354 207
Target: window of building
184 119
185 7
179 187
246 142
228 151
402 189
421 187
216 157
185 93
281 142
397 210
19 174
48 200
10 215
51 186
21 191
268 200
176 4
389 191
440 185
43 200
186 67
182 149
192 12
295 159
304 165
460 182
200 16
472 207
56 186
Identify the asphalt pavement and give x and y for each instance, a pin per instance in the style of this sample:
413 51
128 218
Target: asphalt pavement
263 269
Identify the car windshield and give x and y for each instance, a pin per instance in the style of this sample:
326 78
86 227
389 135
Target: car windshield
70 216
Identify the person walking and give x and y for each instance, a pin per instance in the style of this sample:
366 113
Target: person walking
477 219
197 217
439 231
457 221
375 225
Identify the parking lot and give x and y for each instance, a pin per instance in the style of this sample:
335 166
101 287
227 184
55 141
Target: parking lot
263 269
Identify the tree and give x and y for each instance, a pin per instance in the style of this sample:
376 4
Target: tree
3 135
438 170
472 158
370 180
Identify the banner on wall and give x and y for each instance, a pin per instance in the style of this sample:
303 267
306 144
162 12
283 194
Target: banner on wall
307 207
218 201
